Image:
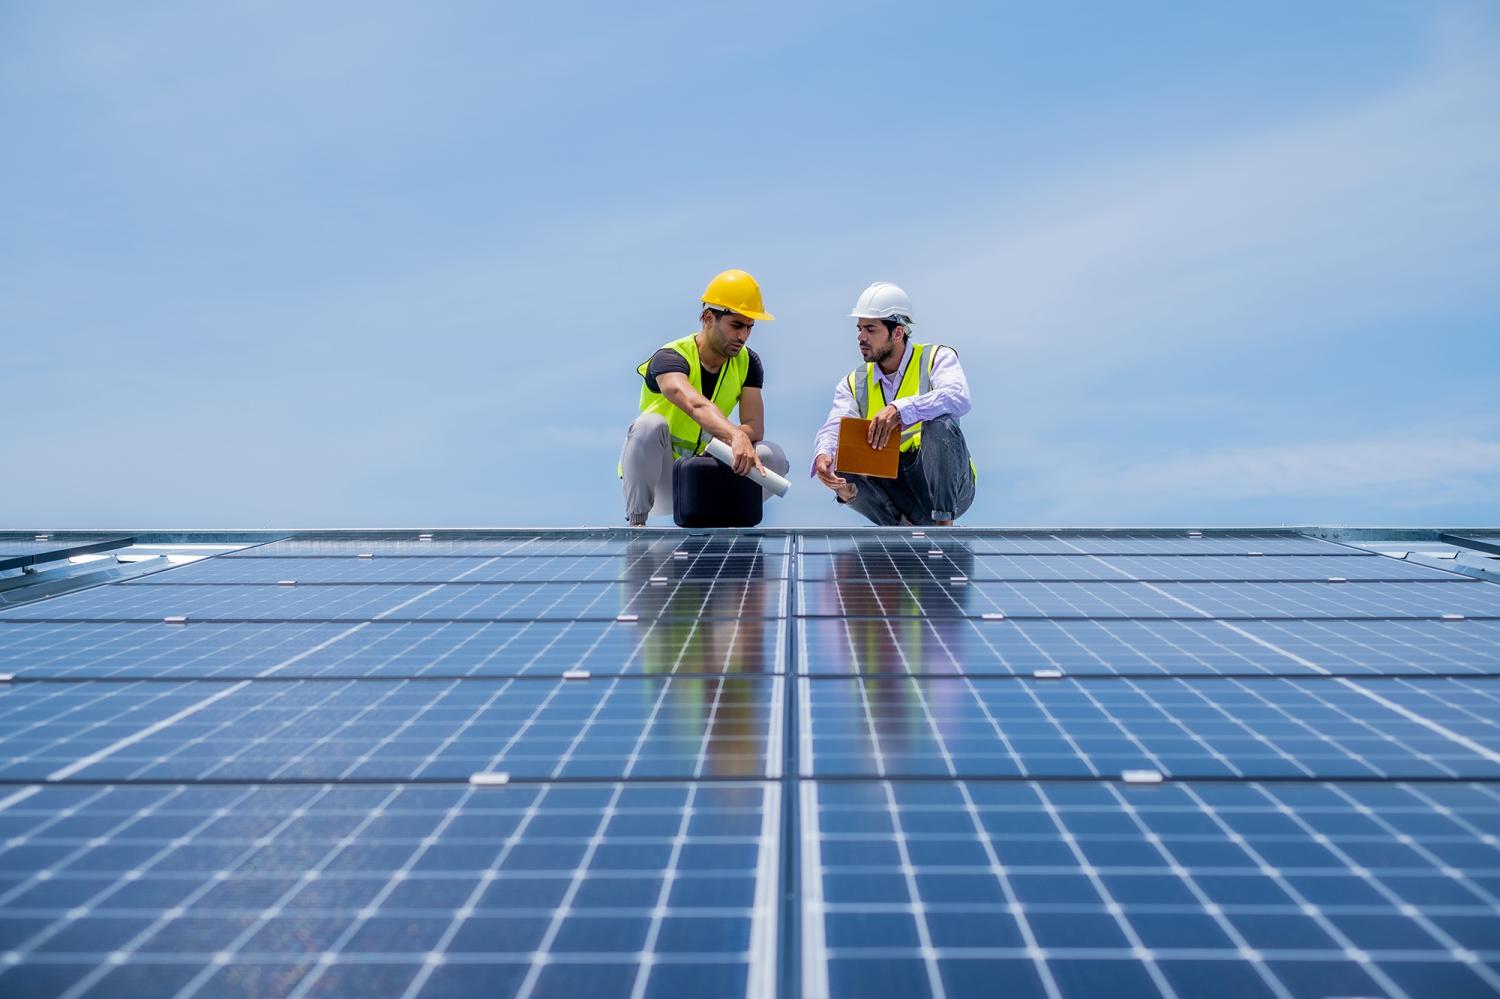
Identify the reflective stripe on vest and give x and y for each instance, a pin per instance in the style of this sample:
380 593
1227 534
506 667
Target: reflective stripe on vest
916 380
687 437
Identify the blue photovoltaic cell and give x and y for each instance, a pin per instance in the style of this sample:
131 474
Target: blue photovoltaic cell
1264 728
412 602
430 570
1228 568
1082 890
534 545
949 646
934 598
599 890
382 730
385 649
1069 544
1474 599
915 786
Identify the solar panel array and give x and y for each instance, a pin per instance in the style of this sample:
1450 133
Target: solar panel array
875 763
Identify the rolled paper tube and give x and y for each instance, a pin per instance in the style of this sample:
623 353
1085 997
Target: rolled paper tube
769 480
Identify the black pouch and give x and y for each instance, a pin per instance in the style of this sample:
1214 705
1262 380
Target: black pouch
707 493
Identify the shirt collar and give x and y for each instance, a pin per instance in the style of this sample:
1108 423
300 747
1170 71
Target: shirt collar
894 380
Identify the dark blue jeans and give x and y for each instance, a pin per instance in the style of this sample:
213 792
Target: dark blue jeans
935 482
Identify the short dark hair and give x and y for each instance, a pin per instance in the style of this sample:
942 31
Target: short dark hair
891 324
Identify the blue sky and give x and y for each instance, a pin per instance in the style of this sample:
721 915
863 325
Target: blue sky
366 264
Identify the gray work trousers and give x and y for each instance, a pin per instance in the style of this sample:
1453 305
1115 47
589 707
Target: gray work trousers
647 466
935 481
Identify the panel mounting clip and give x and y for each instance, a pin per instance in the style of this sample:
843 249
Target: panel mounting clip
489 778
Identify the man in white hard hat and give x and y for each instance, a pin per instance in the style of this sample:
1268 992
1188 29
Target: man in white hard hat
916 390
689 387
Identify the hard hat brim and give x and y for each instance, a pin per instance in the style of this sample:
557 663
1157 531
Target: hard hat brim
760 317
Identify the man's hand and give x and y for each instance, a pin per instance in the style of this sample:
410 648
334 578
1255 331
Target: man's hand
823 468
745 458
884 423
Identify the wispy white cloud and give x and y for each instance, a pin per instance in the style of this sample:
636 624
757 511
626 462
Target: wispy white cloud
1388 208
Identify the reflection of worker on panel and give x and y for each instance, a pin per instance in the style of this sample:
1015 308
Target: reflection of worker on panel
690 386
695 657
916 391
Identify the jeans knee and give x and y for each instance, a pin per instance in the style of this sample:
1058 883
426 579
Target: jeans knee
940 426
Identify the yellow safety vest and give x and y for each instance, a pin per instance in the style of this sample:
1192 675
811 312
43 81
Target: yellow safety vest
869 396
687 437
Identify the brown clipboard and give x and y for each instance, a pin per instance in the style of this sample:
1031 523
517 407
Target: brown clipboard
858 457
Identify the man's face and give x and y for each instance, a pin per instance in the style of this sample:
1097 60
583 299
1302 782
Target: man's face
876 343
727 331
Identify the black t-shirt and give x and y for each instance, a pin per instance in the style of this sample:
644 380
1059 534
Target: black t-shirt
667 359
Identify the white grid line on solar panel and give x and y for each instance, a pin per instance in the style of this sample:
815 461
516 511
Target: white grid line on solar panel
954 646
608 728
399 601
386 649
1158 568
605 545
272 571
1265 728
1063 543
1079 890
1235 601
374 888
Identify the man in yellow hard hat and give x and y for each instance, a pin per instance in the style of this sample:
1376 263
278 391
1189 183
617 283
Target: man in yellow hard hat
689 389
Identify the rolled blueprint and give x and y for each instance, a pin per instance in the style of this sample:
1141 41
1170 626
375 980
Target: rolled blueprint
769 479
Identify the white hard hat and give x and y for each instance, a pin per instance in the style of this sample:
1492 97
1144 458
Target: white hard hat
882 300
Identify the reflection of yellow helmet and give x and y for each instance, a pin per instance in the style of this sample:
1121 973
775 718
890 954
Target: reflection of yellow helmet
738 292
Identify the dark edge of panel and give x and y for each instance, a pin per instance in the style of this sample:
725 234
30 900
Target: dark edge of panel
565 581
657 779
1463 541
58 554
20 679
707 617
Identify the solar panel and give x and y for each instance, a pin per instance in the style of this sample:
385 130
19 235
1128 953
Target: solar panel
456 601
822 763
1085 568
267 889
1034 889
957 597
430 570
415 650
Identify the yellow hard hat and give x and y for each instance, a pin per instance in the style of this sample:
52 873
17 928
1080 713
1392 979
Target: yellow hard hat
736 291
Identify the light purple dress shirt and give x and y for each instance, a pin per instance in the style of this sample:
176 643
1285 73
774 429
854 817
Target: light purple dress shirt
947 395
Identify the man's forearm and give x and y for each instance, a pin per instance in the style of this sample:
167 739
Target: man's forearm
707 416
